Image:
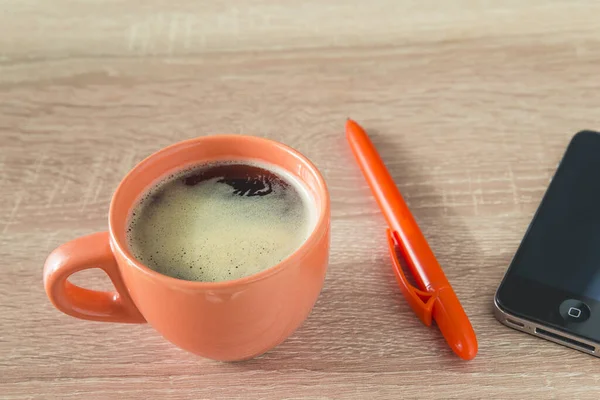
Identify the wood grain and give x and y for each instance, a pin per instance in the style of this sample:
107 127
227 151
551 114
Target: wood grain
471 103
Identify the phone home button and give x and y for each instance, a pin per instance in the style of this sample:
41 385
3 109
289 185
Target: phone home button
574 310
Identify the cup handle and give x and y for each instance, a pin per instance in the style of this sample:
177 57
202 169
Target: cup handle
92 251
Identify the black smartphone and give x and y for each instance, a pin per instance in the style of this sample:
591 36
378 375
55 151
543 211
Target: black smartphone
552 286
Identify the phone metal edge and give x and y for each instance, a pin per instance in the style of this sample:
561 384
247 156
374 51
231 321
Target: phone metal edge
531 327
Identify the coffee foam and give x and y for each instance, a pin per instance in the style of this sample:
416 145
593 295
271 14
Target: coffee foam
208 232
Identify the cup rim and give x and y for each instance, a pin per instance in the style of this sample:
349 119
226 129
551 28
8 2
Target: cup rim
320 228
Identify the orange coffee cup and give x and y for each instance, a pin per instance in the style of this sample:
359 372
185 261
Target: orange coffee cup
230 320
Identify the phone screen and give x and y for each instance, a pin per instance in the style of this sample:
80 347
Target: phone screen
562 246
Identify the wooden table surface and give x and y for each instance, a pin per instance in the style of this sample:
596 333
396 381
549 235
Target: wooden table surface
470 102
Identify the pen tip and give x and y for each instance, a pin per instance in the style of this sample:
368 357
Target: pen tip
348 124
351 124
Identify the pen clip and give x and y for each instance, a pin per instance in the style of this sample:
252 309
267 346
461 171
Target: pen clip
420 301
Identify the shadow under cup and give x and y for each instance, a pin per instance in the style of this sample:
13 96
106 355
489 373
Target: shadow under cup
229 320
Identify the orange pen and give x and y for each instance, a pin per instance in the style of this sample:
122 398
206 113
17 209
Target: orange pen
435 299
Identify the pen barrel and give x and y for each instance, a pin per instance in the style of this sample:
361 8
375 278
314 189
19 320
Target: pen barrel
416 250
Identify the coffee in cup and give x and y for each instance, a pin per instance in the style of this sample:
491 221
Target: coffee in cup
221 221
